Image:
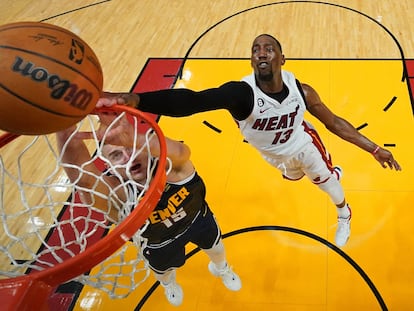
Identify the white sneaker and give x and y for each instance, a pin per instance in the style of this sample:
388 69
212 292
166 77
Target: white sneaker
230 279
343 231
173 292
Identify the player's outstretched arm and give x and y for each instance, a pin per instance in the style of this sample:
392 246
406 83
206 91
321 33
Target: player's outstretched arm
75 154
346 130
234 96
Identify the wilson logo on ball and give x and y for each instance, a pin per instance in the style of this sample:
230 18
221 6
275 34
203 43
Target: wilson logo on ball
70 92
77 52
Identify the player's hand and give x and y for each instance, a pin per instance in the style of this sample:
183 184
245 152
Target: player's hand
386 159
109 99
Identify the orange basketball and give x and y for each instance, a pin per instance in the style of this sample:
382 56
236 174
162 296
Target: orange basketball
50 78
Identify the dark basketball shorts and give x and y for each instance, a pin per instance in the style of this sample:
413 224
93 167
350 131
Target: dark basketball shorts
204 232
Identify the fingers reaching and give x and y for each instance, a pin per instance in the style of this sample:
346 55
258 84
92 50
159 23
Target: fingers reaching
109 99
386 159
392 164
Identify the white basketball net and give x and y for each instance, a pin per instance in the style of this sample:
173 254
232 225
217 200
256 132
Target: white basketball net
43 221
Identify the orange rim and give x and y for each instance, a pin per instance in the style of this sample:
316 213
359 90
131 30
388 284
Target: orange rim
109 244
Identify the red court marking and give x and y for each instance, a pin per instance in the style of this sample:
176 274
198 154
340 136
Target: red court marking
410 67
409 63
411 80
158 74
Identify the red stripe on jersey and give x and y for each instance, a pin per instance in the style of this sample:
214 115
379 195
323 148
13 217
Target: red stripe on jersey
317 141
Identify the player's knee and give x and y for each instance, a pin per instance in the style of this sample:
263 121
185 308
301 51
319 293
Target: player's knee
293 178
216 248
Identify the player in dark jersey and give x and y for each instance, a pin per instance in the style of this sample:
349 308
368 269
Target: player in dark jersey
269 106
182 214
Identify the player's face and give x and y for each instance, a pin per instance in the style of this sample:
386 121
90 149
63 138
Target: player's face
124 160
267 58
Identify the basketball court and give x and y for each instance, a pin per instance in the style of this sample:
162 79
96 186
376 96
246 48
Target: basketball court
278 234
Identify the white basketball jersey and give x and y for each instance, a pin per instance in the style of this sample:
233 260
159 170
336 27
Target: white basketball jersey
276 129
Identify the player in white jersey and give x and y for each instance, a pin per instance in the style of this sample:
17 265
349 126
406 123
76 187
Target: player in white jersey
269 107
273 127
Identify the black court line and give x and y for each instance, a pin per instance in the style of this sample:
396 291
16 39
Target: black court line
333 247
392 101
403 60
74 10
404 74
216 129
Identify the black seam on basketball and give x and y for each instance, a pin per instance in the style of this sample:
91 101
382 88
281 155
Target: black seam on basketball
52 59
41 107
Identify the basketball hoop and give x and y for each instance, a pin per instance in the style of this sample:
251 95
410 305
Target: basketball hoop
47 240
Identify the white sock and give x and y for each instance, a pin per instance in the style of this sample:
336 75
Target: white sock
221 265
166 278
344 212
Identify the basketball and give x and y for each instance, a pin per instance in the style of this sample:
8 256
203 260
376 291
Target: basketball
50 78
